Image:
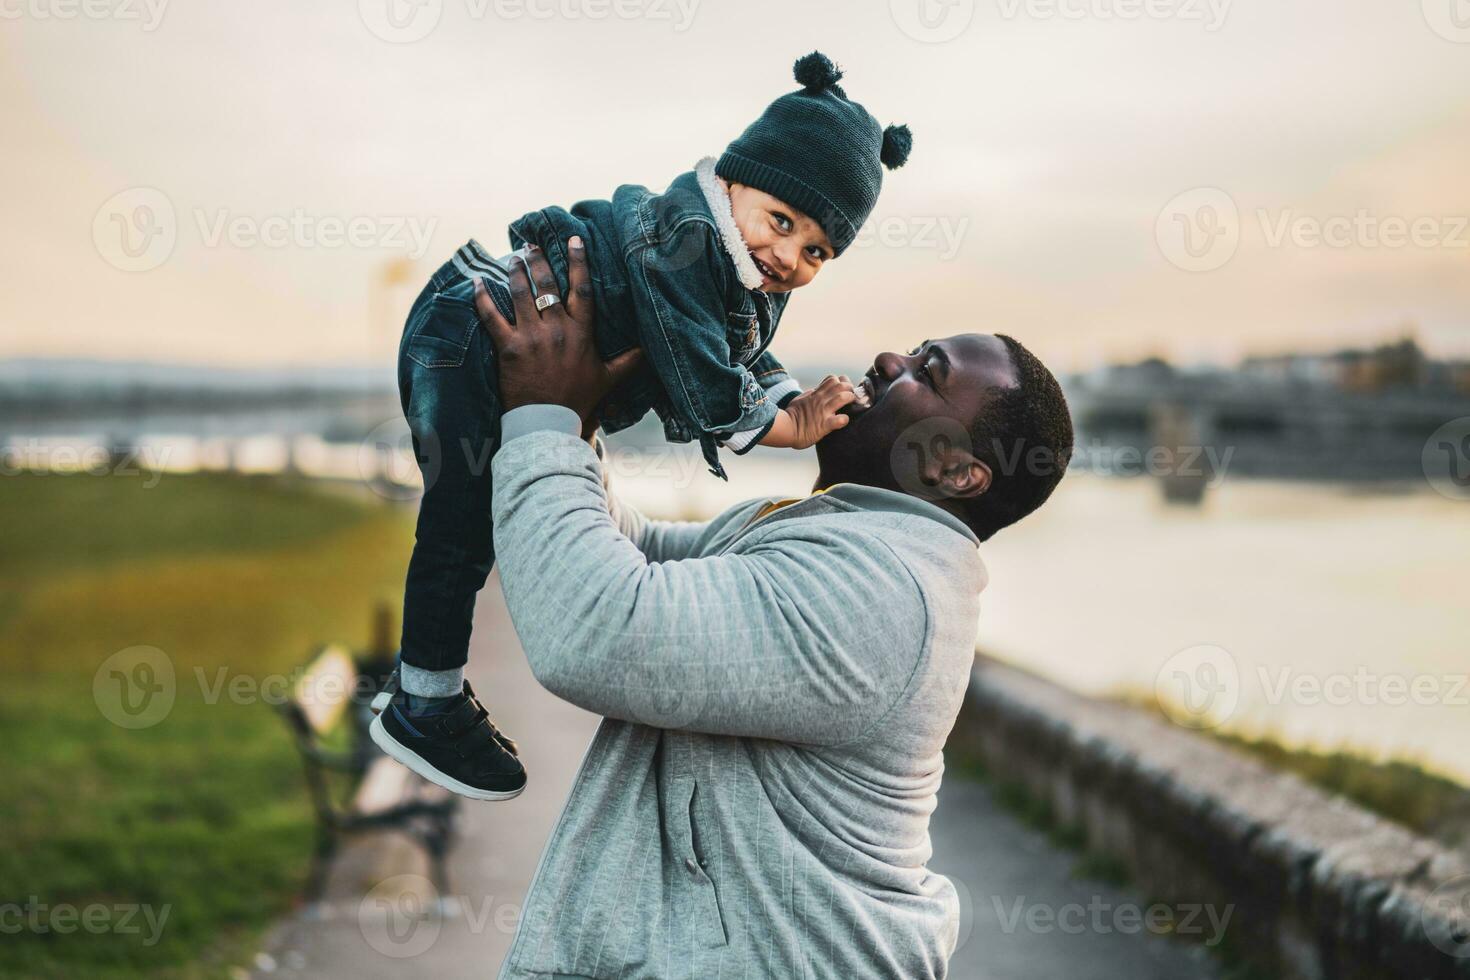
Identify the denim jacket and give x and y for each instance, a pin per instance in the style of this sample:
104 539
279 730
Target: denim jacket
671 274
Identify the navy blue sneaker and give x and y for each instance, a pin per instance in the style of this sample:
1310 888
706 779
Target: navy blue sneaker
456 746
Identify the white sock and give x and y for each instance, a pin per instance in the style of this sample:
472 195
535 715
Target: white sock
431 683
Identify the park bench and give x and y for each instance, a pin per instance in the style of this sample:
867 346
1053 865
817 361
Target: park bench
328 714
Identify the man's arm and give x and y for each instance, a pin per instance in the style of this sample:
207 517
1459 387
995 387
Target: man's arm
658 540
809 637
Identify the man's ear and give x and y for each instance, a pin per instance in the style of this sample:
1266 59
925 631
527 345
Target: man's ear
946 472
963 476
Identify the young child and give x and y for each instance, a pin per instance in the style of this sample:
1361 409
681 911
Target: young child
697 276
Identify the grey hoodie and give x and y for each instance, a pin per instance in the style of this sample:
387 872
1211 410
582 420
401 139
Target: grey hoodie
777 690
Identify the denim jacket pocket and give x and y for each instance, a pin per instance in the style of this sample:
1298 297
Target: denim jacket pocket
446 324
743 334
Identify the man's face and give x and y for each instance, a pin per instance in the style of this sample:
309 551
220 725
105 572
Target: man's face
920 399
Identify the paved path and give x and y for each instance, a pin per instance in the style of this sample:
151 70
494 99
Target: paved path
1009 876
1025 916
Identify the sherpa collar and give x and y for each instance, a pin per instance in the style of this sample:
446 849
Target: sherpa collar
718 200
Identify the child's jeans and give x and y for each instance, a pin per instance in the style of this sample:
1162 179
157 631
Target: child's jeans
448 383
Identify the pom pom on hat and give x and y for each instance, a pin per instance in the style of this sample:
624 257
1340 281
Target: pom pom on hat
816 72
897 141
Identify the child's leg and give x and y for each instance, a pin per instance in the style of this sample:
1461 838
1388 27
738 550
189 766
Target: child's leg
433 723
448 386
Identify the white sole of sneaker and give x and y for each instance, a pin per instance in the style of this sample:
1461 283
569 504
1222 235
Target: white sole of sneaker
396 751
380 702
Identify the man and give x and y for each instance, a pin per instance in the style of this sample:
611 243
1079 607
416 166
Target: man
776 684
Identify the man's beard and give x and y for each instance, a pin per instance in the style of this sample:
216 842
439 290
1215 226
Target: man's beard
853 455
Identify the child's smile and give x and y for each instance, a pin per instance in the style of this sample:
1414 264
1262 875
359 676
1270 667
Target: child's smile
788 247
771 277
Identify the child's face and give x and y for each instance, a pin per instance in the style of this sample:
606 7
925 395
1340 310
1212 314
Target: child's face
788 247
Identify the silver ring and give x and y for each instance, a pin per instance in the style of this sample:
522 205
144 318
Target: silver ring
545 300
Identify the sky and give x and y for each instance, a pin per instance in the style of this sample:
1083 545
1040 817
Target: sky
1104 179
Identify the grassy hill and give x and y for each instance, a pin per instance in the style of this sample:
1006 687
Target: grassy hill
199 823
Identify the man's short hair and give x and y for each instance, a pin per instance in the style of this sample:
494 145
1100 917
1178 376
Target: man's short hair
1026 438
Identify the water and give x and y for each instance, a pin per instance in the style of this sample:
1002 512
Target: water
1339 613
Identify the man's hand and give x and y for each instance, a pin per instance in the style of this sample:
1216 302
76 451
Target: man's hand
812 414
548 357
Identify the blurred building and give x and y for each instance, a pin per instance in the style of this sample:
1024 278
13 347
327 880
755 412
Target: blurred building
1398 365
1348 414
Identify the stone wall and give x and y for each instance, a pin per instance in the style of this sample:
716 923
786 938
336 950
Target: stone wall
1321 888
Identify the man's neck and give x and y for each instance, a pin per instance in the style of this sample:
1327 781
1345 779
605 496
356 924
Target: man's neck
890 498
826 481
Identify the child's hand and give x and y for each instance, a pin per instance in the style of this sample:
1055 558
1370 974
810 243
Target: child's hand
812 414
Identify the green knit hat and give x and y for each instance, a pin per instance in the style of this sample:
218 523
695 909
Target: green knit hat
818 151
